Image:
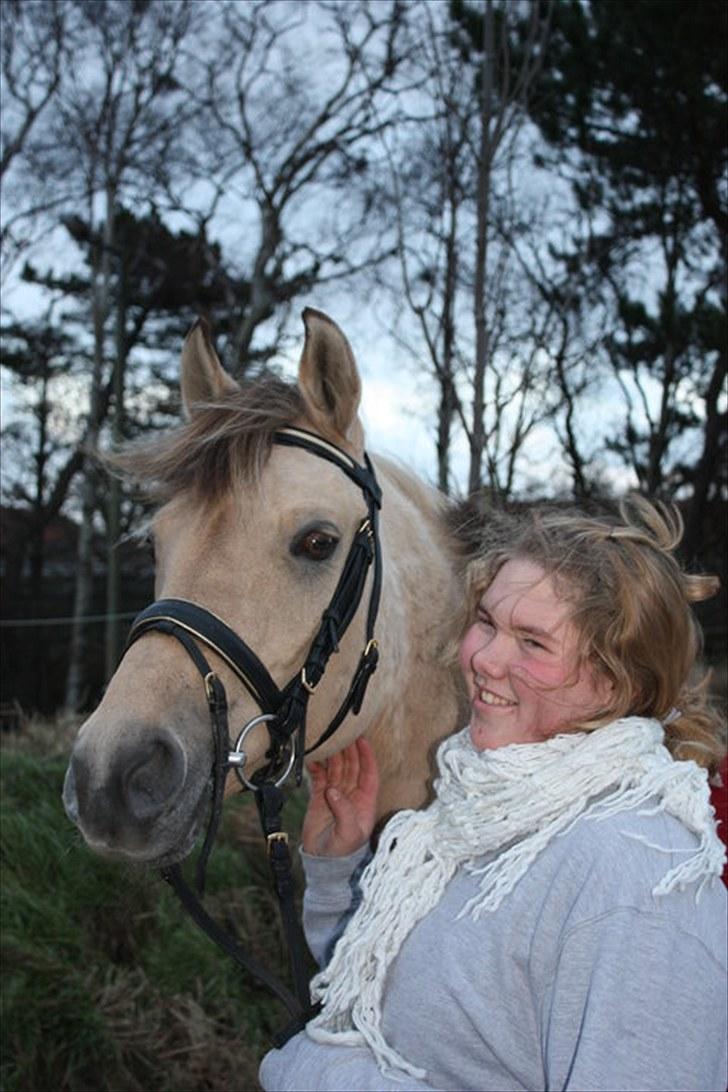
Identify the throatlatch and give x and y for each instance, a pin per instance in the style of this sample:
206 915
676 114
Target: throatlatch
283 711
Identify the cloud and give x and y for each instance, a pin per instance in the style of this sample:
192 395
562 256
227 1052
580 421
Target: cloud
395 415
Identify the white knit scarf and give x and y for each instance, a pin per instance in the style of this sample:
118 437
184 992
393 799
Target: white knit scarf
510 802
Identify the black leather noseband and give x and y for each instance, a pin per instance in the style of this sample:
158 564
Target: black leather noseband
283 711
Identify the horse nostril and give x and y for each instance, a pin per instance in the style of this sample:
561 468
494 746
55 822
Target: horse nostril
154 774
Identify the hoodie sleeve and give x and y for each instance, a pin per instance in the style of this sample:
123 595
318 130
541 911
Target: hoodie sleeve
331 897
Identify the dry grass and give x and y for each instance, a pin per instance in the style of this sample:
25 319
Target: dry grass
106 984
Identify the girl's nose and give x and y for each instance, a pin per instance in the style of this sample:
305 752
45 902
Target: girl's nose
491 658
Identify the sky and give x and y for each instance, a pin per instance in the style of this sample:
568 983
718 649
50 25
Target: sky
399 404
398 408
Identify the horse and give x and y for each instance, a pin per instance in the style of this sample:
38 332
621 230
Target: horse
255 532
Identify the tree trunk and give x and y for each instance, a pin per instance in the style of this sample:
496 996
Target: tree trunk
477 436
75 694
448 393
707 471
581 488
36 551
262 301
113 529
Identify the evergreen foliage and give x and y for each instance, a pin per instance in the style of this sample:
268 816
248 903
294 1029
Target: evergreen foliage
632 103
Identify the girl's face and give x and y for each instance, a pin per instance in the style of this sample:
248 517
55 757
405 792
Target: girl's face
521 664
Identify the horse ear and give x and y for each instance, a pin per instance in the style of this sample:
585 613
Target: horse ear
328 379
203 377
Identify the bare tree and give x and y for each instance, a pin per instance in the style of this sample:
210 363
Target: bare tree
458 215
112 132
505 84
292 103
36 42
427 185
257 123
32 47
573 339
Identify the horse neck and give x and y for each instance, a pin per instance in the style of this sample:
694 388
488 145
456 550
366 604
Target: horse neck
420 693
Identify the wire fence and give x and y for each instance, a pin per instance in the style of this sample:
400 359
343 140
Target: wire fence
12 623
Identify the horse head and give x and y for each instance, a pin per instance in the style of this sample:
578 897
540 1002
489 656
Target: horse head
256 533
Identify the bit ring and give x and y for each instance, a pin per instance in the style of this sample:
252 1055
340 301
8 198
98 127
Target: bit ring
237 757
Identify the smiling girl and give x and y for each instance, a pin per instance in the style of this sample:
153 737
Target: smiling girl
555 918
520 659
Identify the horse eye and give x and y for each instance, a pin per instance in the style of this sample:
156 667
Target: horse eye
315 545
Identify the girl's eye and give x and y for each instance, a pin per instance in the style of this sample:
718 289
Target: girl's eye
531 643
316 545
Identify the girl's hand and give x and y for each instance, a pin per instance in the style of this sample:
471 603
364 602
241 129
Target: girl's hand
342 807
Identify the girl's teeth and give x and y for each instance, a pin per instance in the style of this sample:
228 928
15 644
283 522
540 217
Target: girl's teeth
493 699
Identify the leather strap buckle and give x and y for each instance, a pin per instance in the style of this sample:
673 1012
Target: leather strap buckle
311 688
276 836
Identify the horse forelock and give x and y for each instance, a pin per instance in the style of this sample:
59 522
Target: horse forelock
222 445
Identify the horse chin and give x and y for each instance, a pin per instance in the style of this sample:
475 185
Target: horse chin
183 847
175 855
176 835
146 859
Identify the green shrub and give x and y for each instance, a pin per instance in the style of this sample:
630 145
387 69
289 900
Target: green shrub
106 983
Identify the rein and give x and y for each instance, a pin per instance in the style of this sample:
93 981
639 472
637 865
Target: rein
283 711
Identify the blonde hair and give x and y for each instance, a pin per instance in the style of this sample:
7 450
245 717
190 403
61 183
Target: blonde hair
631 609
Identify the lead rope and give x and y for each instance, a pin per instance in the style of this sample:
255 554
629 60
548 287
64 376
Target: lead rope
300 1009
269 800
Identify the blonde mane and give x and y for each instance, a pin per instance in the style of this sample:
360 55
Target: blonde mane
224 444
422 495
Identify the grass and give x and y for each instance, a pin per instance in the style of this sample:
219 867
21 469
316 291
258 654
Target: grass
106 984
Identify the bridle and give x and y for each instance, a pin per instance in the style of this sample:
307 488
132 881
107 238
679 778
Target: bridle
282 710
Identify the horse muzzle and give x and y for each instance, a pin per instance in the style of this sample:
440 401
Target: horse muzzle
143 806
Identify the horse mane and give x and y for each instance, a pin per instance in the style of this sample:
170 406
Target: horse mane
223 444
424 497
